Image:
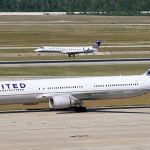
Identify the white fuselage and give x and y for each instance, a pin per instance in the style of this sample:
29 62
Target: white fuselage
67 50
87 88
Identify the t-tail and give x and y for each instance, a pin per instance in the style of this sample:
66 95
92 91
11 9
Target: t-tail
147 73
97 44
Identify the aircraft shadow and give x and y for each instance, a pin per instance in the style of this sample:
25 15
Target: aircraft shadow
25 111
124 109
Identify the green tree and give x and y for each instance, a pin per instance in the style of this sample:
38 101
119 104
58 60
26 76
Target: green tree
118 7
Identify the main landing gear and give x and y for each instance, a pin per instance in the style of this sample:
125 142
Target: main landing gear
80 109
71 54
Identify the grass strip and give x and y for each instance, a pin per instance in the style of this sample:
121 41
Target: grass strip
96 70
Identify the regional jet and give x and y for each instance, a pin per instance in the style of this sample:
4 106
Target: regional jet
70 50
61 93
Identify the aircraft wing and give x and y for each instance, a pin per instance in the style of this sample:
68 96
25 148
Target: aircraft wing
90 95
49 95
66 52
76 95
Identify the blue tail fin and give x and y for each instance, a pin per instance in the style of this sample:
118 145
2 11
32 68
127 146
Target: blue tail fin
148 72
97 44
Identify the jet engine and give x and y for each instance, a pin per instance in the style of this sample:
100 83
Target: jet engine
61 102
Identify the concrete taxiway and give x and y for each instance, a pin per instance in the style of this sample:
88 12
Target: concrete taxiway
121 128
36 63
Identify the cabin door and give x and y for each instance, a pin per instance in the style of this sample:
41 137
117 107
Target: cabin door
31 89
143 84
86 87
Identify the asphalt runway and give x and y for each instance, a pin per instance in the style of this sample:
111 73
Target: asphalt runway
120 128
64 24
112 46
74 62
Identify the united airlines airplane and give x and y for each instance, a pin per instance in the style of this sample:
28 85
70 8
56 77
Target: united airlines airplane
70 50
61 93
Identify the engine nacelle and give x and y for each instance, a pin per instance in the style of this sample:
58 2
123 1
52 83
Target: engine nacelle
60 102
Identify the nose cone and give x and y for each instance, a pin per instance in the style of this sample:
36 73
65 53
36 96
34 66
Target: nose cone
37 50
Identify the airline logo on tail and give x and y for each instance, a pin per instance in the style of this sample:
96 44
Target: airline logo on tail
148 72
97 44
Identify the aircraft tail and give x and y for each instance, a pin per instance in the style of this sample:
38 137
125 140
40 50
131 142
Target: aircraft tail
97 44
147 73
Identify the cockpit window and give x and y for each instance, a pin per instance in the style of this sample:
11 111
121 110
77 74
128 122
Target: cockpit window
42 47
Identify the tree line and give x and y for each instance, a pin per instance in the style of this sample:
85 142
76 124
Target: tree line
108 7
